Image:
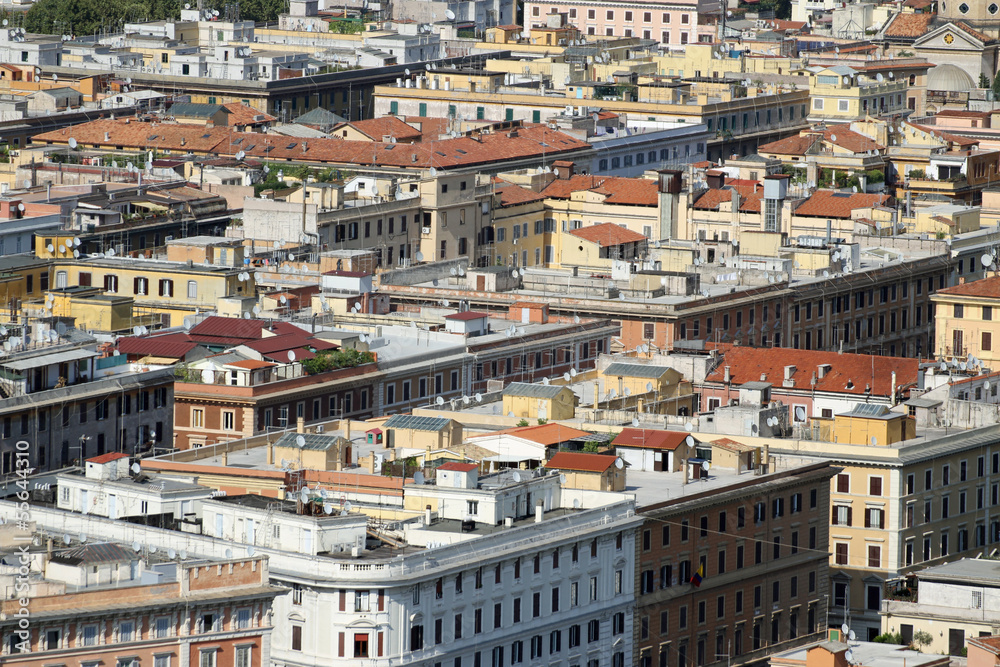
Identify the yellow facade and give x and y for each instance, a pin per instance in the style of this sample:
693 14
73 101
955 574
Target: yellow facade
859 430
966 324
563 406
943 224
839 94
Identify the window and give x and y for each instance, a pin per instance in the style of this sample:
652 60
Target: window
207 658
875 486
242 658
192 289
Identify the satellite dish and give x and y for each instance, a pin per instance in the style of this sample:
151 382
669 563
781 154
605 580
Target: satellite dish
833 137
72 143
420 256
635 422
251 551
439 400
183 554
136 468
348 506
207 376
479 398
851 635
300 440
50 248
304 494
706 465
418 477
567 377
618 463
845 628
229 553
449 14
649 386
688 426
171 553
689 441
327 508
291 355
572 372
136 547
76 254
516 476
986 384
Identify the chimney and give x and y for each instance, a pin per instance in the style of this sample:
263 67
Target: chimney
347 428
726 376
539 510
270 454
225 457
892 397
427 515
789 372
300 425
565 169
715 179
823 370
684 466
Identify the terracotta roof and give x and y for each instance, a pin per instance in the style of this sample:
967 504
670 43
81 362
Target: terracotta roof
918 4
512 195
619 190
747 364
107 458
750 198
466 316
649 438
909 25
376 128
607 234
173 345
851 140
985 287
963 113
545 434
797 145
242 114
947 136
704 164
581 462
458 467
229 327
530 142
835 204
986 39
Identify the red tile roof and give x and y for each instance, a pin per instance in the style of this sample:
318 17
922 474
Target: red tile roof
512 195
532 141
649 439
458 467
242 114
619 190
107 458
963 113
986 39
851 140
581 462
985 287
376 128
748 364
607 234
173 345
466 316
731 445
797 145
750 198
834 204
545 434
947 136
909 25
229 327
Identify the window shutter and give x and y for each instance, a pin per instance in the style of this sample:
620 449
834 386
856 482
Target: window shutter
833 517
868 521
380 634
850 516
381 603
340 644
343 600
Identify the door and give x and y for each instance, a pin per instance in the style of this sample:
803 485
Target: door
307 541
956 641
218 525
481 283
251 533
957 342
112 507
84 501
658 462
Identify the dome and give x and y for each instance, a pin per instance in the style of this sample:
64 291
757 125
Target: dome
948 78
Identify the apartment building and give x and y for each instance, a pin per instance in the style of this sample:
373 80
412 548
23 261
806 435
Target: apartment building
554 582
840 93
963 321
757 540
69 402
687 22
101 603
900 505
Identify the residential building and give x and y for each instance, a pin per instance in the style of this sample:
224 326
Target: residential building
953 603
170 612
733 566
598 472
963 321
840 93
556 582
899 505
812 383
688 22
70 402
841 651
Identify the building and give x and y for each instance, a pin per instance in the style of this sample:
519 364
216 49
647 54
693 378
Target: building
597 472
840 93
654 450
953 603
170 612
413 432
689 22
963 321
539 401
733 566
840 651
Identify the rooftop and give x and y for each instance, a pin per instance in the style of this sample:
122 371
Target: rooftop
650 438
581 462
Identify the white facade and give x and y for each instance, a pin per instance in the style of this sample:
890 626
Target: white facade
647 459
562 590
117 498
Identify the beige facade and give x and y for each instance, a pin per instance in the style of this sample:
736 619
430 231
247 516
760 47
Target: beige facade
966 321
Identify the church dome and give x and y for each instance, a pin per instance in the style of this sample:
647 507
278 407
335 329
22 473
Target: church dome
948 78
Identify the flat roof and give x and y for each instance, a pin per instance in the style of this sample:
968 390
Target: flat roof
48 359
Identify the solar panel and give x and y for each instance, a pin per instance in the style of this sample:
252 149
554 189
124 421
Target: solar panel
869 410
416 423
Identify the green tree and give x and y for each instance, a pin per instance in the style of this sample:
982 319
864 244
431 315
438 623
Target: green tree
984 81
523 422
921 638
996 86
889 638
592 447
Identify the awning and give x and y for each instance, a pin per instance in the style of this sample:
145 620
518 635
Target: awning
48 359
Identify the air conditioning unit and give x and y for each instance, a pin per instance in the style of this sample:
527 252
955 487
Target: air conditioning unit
425 230
320 428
